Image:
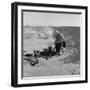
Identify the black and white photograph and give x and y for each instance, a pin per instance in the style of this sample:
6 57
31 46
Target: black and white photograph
49 44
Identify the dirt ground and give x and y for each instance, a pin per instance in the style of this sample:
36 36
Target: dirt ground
66 64
53 66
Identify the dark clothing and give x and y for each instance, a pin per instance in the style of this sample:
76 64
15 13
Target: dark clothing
59 42
64 44
59 38
58 47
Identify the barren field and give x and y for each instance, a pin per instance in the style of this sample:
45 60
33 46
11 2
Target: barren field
36 38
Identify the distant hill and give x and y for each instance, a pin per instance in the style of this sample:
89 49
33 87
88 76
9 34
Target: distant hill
68 31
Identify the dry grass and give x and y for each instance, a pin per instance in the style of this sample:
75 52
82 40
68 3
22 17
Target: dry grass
67 64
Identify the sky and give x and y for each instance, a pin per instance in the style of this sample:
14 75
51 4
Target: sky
50 19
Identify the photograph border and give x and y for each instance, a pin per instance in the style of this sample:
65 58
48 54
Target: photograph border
38 11
14 42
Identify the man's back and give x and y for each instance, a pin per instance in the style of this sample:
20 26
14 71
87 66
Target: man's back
59 38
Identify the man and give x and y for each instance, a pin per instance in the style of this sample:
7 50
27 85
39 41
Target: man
59 42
